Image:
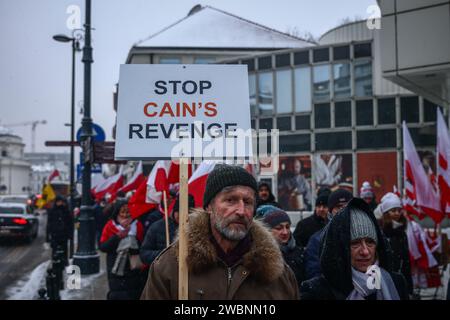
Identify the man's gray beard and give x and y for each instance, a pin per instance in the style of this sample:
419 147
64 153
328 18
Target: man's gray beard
227 232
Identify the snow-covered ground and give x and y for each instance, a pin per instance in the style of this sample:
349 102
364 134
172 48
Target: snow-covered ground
27 287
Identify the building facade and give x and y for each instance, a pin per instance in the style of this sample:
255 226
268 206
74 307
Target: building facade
15 170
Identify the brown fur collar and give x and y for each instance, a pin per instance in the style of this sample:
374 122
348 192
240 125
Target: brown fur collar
264 259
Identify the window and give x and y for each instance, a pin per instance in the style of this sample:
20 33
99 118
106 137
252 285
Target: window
266 124
265 63
250 64
362 50
364 113
253 124
386 111
284 123
283 60
369 139
320 55
321 83
204 60
284 91
409 109
301 57
322 115
252 92
363 78
343 114
302 122
341 53
265 93
425 136
429 111
302 78
333 140
169 60
341 74
295 143
4 153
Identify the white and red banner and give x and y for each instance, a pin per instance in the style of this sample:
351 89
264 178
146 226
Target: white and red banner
110 185
135 181
197 182
158 182
419 190
443 169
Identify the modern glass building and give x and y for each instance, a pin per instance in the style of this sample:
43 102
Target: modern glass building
337 116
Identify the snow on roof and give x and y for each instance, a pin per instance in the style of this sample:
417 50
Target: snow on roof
209 27
5 131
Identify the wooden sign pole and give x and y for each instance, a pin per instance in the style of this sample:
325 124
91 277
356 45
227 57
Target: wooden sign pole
183 220
166 218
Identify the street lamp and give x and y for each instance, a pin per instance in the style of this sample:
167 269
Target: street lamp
75 39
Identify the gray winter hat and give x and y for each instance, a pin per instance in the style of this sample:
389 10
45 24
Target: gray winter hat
361 226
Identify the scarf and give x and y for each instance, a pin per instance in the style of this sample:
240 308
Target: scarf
377 281
124 247
290 245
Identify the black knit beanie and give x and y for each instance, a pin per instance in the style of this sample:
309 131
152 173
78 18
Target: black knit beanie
224 175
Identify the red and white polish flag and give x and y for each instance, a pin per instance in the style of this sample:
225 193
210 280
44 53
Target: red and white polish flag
110 185
135 181
197 182
443 169
157 182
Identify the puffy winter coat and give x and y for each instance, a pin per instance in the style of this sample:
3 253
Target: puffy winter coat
130 285
293 256
155 240
261 273
335 283
311 255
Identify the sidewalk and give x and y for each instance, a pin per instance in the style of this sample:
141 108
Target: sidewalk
93 287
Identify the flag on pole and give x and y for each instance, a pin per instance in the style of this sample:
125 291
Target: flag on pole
137 204
110 185
443 169
135 181
53 175
48 195
417 185
197 182
157 182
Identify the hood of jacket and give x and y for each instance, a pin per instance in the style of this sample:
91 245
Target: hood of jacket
264 259
335 256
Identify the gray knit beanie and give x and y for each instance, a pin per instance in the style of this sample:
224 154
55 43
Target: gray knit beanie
225 175
361 226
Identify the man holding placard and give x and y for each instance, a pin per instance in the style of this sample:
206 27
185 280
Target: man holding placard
230 256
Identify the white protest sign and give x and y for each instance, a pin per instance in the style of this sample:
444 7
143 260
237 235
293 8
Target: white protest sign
190 111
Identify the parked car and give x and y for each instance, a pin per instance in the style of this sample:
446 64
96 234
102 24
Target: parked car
18 198
17 220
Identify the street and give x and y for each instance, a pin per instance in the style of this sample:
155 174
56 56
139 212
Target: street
18 258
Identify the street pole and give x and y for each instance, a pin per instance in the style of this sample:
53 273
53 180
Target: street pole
86 256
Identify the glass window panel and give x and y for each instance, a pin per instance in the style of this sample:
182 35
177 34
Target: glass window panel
284 91
342 85
265 63
334 141
409 109
284 123
294 143
265 93
364 113
302 122
266 124
301 57
252 93
302 89
283 60
362 50
343 114
363 78
169 60
425 136
250 64
322 118
320 55
204 60
341 53
429 110
321 83
369 139
386 111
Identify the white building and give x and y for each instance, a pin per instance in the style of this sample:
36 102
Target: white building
15 171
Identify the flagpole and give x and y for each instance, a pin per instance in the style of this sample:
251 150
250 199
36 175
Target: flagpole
166 219
183 220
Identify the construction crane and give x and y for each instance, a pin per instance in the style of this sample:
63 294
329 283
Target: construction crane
33 125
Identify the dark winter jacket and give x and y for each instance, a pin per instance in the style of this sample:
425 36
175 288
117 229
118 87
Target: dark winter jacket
311 255
399 243
335 283
130 285
306 228
147 219
260 274
270 201
59 224
293 256
155 240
